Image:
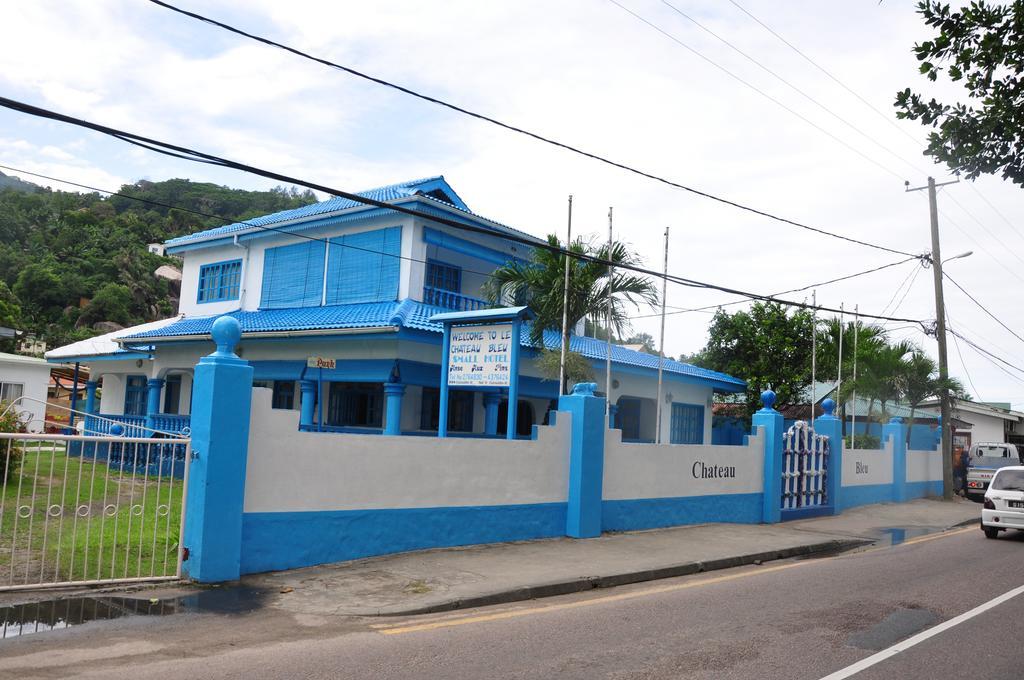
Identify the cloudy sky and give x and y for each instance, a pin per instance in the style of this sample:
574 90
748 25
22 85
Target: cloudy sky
666 96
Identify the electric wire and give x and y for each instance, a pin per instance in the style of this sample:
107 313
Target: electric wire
982 307
228 220
753 87
794 87
881 115
963 363
785 292
522 131
200 156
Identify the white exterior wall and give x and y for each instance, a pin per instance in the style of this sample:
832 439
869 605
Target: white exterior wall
924 466
864 467
986 428
292 471
34 377
251 252
634 471
644 387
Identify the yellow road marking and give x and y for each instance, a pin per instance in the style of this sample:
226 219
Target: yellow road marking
619 597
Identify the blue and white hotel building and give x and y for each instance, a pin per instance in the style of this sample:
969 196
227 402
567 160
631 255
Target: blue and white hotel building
353 287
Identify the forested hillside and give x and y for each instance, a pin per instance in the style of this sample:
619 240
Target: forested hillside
69 261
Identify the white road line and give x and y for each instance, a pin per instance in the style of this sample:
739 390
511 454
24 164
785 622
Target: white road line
864 664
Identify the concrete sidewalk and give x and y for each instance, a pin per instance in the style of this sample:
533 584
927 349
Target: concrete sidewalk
454 578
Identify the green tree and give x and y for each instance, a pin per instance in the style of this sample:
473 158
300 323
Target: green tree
645 340
112 302
981 47
920 382
766 346
540 283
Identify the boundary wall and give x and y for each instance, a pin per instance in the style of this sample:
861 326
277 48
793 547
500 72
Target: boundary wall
265 496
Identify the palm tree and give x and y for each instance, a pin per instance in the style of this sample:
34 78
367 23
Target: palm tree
540 284
920 382
880 374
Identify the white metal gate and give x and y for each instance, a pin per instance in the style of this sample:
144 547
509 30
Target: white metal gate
82 510
805 466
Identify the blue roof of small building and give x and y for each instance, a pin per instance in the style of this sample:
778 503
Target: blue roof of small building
408 314
433 189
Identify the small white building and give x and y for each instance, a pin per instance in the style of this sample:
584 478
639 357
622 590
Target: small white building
975 422
24 380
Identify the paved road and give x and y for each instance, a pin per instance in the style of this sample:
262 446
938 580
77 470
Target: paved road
791 620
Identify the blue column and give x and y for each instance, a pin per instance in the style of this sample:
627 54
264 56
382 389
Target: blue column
491 402
513 384
830 426
613 416
586 460
74 398
774 427
896 431
442 407
393 408
90 396
153 388
308 404
221 402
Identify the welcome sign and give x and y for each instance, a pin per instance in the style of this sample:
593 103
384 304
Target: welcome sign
480 356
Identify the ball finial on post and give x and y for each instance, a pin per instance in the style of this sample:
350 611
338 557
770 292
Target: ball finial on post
226 333
768 399
828 406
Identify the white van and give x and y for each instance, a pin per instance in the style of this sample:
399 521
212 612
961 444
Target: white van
983 460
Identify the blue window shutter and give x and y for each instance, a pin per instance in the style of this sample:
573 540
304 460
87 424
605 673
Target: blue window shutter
293 276
219 281
687 424
364 267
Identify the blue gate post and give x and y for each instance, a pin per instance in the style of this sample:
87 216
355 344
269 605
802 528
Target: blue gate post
586 460
830 426
774 428
896 431
221 402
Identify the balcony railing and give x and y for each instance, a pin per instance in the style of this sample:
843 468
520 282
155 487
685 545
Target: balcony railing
451 300
169 422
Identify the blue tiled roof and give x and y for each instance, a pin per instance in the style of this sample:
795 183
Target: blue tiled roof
409 314
392 192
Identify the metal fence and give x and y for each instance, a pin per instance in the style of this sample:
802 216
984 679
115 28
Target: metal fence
805 468
81 510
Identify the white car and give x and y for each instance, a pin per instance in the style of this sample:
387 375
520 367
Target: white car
1004 502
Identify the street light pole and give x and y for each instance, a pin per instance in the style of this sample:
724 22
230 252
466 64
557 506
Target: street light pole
940 336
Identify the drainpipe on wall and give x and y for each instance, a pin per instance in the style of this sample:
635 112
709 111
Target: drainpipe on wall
243 273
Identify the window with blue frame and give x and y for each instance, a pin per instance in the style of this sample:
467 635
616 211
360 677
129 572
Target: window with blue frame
220 281
364 267
460 410
443 276
135 395
355 404
687 424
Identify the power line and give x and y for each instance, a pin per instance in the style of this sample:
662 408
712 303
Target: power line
227 220
754 88
888 120
990 356
512 128
963 363
821 68
203 157
793 87
785 292
983 307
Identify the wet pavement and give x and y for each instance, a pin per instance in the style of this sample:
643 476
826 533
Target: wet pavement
57 614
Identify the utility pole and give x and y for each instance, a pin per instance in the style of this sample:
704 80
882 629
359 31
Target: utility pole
940 336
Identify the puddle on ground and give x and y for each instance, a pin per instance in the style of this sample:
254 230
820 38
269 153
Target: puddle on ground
897 535
884 538
40 617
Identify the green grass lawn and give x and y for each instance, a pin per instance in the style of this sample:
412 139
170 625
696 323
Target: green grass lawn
109 524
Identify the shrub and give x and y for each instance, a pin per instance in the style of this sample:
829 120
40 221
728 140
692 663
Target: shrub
10 458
